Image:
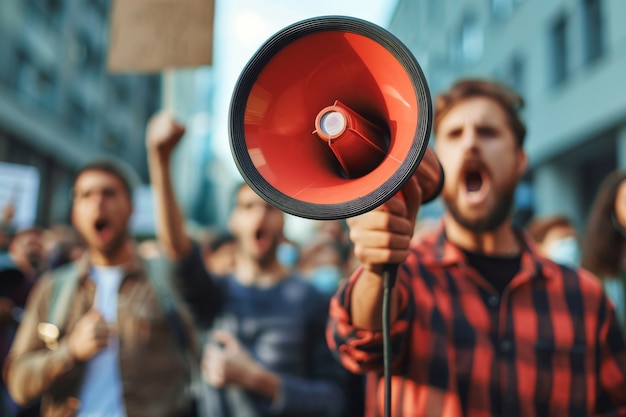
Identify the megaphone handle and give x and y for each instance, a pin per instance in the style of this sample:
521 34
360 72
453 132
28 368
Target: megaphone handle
389 281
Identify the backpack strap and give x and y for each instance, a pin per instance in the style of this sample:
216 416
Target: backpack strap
64 282
160 273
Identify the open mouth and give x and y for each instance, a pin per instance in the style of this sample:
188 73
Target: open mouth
262 238
103 227
475 183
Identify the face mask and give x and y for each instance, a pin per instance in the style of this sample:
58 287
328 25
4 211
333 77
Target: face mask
565 251
287 254
326 279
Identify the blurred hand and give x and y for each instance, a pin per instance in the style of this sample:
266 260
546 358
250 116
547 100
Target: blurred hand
163 134
90 336
226 362
383 235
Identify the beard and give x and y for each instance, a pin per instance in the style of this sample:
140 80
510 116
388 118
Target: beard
117 244
489 221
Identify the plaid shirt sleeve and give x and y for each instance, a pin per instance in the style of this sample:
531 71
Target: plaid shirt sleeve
611 361
361 350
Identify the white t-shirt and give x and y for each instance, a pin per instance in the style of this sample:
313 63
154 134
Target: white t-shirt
101 392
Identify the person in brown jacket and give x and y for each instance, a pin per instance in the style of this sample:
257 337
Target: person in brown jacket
115 353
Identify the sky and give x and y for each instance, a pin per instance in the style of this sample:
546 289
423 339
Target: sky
242 26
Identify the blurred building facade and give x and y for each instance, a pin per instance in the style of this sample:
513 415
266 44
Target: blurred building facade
59 106
566 57
201 180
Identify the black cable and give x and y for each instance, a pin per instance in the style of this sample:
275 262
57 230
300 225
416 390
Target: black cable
389 280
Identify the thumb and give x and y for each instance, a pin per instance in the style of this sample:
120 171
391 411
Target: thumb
225 339
94 314
412 195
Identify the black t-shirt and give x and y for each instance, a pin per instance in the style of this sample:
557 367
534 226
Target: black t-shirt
497 270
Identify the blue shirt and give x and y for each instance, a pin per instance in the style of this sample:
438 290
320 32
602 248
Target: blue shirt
282 327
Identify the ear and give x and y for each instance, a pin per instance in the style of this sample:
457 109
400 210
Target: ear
522 162
73 217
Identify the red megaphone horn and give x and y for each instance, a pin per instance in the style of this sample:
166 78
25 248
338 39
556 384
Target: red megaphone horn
331 117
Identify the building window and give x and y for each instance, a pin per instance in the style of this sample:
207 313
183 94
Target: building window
503 9
87 55
466 45
49 12
36 85
515 74
592 21
78 117
558 50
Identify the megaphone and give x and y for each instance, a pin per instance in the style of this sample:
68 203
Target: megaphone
331 117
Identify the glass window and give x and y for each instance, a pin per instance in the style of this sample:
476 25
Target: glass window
502 9
558 50
471 40
36 85
515 74
466 45
593 29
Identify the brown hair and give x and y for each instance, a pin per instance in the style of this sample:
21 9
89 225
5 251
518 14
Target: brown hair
508 99
539 227
603 244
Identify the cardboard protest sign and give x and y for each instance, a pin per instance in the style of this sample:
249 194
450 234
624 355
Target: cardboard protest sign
153 35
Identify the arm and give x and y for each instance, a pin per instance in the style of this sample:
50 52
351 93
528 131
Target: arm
162 136
318 391
381 237
611 365
323 389
30 368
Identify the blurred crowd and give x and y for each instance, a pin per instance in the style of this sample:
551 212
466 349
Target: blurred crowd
244 332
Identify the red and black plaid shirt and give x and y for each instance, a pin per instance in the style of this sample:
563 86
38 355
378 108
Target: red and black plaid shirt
549 345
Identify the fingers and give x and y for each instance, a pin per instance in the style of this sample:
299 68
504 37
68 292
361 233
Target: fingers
225 339
93 315
90 335
163 132
413 197
383 235
213 365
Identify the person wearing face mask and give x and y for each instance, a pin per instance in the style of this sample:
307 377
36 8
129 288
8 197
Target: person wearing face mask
604 249
557 238
481 323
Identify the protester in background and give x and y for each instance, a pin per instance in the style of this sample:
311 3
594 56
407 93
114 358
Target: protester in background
604 243
113 351
219 253
481 324
27 250
266 353
62 244
13 284
7 228
556 238
27 254
321 262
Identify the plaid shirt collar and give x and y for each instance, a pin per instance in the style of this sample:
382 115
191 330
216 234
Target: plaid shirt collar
443 253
